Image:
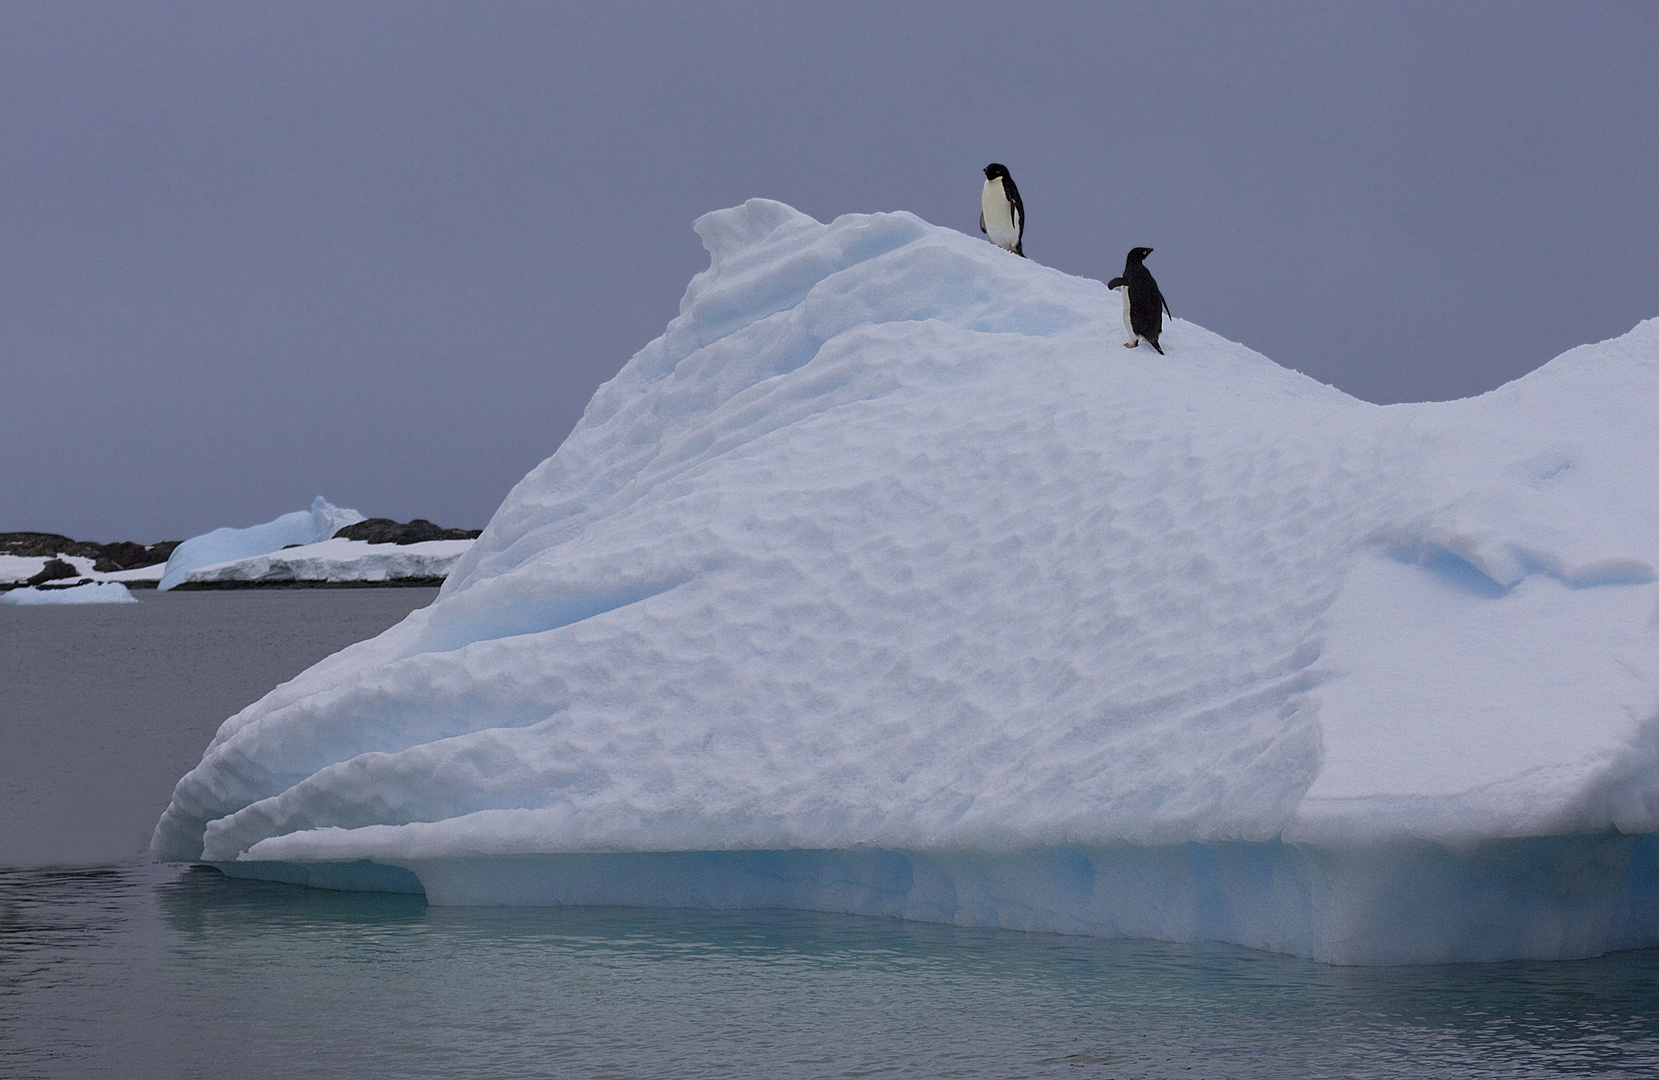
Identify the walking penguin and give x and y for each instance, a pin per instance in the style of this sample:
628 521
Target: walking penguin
1001 213
1144 306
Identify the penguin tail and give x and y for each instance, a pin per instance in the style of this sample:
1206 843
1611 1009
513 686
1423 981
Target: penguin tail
1154 344
1017 250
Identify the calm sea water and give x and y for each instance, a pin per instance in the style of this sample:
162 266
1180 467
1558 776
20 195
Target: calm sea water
136 970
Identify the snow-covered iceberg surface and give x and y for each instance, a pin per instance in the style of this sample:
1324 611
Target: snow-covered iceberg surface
311 526
339 562
888 581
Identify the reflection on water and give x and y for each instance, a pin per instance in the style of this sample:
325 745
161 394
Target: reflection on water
139 971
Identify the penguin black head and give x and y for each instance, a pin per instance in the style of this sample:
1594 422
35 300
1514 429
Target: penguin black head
993 171
1137 254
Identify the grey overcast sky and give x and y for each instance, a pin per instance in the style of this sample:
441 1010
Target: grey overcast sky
385 252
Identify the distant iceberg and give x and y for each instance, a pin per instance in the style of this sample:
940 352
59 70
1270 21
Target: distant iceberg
109 592
888 581
319 523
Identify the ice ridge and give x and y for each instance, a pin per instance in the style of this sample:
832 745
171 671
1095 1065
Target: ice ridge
225 545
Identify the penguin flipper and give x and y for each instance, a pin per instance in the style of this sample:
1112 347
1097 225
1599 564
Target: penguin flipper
982 221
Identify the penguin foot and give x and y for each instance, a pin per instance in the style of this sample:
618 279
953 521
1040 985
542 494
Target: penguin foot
1130 344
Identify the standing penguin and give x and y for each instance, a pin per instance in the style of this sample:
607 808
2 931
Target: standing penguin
1144 306
1001 213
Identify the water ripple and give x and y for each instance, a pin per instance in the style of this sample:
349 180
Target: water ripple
141 970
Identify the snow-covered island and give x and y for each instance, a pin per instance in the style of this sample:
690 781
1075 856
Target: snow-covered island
326 545
336 562
40 563
887 581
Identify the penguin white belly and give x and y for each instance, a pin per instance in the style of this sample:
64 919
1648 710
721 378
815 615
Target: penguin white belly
1128 324
1000 225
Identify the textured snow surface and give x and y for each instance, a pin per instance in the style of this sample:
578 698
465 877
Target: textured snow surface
97 593
24 567
322 521
887 545
339 561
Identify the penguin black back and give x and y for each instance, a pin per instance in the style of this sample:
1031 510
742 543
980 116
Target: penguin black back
1147 306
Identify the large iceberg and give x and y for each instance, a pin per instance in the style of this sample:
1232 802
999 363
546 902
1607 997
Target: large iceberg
888 581
312 526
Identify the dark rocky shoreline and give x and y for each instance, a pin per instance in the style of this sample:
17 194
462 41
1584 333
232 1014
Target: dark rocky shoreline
418 531
107 558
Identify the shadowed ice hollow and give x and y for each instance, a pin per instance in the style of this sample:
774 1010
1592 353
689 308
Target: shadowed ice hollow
888 581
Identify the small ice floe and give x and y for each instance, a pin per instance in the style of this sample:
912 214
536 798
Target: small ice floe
109 592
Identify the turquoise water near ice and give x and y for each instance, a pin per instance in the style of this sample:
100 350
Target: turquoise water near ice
152 971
